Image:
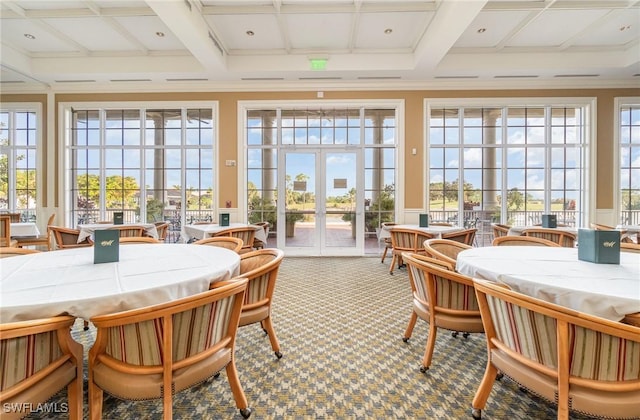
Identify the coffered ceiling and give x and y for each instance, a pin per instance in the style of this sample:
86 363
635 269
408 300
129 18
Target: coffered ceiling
275 44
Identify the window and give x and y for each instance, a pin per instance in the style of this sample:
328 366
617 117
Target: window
629 181
152 164
370 131
508 164
18 154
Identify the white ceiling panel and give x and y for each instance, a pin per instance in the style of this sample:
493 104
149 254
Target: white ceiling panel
232 29
490 28
92 33
146 28
619 28
405 28
322 31
13 32
554 27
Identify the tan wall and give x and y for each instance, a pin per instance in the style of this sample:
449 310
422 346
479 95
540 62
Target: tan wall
414 127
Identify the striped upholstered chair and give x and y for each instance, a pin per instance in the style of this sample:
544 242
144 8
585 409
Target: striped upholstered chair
445 250
441 297
261 268
561 237
166 348
582 362
37 359
406 240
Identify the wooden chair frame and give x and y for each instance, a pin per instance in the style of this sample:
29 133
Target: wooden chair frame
220 308
129 231
261 268
406 240
257 243
523 241
42 240
445 250
11 251
500 230
607 386
465 236
125 240
387 241
561 237
5 232
228 242
441 297
68 238
629 247
246 233
163 229
63 369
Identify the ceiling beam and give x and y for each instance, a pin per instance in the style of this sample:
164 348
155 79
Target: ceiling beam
187 23
450 21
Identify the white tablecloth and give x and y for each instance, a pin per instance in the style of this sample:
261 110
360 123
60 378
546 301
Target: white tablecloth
556 275
206 231
385 232
87 230
50 283
24 229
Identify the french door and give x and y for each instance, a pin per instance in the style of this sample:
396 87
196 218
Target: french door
321 202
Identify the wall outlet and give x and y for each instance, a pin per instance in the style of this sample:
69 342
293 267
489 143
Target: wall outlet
230 163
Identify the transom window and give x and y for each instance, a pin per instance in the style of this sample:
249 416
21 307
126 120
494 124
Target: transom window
18 151
152 164
508 164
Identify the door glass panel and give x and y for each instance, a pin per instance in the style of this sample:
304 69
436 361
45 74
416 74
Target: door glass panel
300 200
340 201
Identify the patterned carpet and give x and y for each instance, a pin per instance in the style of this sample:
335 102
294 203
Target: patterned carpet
340 322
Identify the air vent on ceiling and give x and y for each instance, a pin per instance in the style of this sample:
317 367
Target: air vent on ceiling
188 80
76 81
319 78
11 81
513 76
636 75
130 80
379 77
456 77
576 75
262 78
216 43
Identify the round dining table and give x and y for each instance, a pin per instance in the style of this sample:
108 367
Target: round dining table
555 274
47 284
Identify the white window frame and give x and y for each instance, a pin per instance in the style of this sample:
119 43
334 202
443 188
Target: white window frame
618 102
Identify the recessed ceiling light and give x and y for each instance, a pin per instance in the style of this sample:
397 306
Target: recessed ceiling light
160 34
250 33
29 36
388 31
482 30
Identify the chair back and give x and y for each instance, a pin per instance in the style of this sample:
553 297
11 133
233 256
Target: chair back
163 230
445 250
440 224
585 363
522 241
165 348
129 231
257 243
246 233
261 268
228 242
5 231
68 238
500 230
13 217
562 238
138 240
38 359
449 296
630 247
408 240
12 251
465 236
